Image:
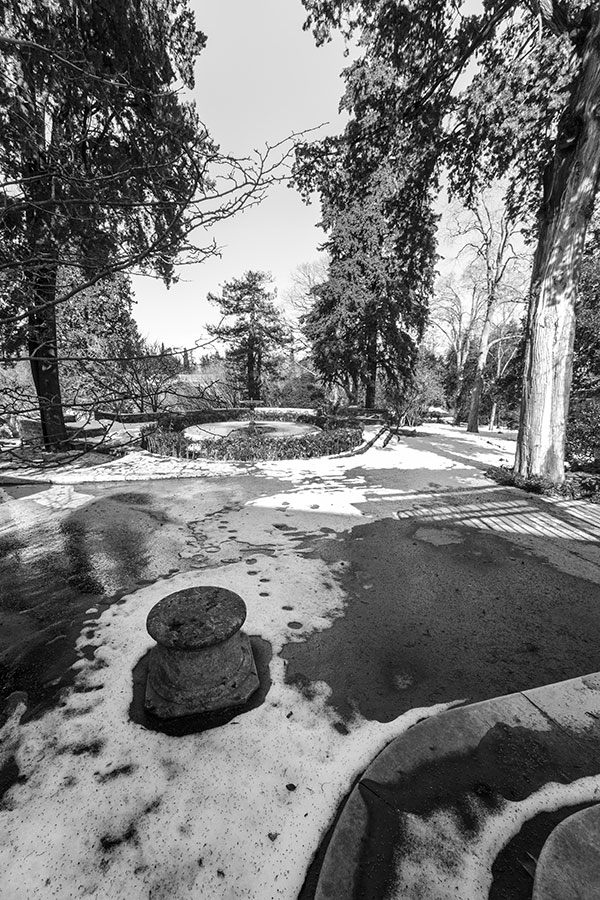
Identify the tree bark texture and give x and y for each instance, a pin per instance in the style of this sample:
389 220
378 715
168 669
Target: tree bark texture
462 355
371 373
571 187
41 341
484 343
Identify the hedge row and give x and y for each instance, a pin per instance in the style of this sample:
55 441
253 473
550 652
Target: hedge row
284 413
248 448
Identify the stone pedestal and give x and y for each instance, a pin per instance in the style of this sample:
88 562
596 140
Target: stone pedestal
202 661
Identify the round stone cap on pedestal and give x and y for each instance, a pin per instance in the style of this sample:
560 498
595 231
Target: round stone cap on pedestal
196 617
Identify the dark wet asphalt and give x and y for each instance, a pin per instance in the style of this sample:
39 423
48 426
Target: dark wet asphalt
55 567
425 624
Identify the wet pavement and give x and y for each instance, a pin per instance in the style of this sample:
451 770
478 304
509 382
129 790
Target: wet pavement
453 589
437 608
68 553
436 613
56 564
456 806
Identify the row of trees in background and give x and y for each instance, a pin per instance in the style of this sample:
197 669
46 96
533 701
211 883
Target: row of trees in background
104 362
509 92
105 168
478 309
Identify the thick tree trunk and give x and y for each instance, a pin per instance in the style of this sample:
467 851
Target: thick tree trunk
250 371
461 361
41 342
476 392
371 385
371 379
569 197
351 388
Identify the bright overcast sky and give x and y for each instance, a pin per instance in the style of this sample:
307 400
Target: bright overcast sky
260 78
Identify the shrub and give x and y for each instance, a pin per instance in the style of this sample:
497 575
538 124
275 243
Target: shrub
164 441
284 413
576 486
250 447
583 433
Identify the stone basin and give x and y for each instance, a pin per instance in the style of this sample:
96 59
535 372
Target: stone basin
270 428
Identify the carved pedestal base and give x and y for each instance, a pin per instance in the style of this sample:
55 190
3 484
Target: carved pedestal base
202 661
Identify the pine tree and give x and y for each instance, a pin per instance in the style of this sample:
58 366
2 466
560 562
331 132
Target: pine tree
253 329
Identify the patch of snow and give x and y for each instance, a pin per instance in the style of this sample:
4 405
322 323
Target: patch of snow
437 447
62 497
325 501
442 862
109 809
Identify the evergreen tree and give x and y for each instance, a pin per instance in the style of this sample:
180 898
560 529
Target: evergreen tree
526 111
372 309
253 329
103 166
95 333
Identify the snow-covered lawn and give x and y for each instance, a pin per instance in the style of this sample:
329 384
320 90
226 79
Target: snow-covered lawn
105 808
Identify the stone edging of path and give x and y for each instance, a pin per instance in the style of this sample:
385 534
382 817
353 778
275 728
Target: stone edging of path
434 791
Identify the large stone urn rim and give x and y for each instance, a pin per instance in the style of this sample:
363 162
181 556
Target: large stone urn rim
196 617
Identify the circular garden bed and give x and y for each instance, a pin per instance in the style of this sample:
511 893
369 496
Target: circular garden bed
252 440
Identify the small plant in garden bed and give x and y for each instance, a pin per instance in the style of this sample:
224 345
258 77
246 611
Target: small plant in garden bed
248 446
164 441
576 486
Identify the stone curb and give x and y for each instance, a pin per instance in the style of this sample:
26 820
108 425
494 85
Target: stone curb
458 760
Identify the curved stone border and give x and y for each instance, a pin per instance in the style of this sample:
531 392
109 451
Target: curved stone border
568 867
462 762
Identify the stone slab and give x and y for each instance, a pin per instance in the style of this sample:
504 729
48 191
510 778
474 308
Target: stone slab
462 759
574 705
569 865
196 617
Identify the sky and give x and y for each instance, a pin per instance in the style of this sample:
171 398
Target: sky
259 79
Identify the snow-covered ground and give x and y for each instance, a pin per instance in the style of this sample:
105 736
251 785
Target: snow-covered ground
487 448
105 808
424 870
108 809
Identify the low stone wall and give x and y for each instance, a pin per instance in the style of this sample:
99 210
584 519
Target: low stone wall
126 417
178 419
283 413
191 417
29 429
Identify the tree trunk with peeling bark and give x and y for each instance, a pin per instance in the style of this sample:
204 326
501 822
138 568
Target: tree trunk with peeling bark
476 392
461 361
571 187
